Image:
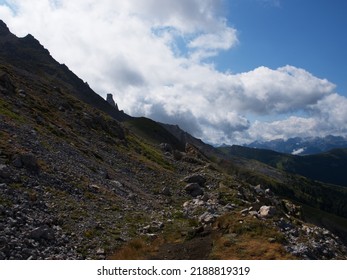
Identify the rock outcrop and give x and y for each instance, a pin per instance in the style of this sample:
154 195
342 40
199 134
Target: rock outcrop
109 99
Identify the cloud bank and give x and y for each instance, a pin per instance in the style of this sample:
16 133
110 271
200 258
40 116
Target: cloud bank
156 56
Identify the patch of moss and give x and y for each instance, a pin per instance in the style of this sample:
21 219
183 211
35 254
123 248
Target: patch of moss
93 232
7 111
146 152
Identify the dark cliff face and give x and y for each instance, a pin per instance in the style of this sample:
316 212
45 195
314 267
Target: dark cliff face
4 29
28 54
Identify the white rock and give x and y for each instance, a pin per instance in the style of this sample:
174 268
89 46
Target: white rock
267 211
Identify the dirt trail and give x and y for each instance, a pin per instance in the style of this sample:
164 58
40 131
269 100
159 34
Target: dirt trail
198 248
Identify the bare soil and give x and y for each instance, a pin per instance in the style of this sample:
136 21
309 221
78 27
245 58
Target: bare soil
198 248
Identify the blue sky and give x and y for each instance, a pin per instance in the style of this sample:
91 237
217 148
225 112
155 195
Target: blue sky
306 33
227 71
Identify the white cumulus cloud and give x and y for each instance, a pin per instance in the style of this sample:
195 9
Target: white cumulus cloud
152 55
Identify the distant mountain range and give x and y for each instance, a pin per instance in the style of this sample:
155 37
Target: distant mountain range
302 146
329 167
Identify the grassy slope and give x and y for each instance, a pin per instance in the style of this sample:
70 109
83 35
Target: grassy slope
329 167
330 198
152 132
334 223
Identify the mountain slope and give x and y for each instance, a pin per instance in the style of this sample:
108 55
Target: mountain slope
329 167
77 184
184 137
28 54
153 132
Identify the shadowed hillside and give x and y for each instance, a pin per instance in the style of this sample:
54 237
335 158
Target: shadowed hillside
329 167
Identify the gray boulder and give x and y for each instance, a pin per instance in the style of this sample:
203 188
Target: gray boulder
267 211
193 189
292 209
165 147
28 161
4 171
166 191
207 218
195 178
43 232
259 190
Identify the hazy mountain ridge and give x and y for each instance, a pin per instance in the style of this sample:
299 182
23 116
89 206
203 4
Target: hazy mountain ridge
302 146
75 183
329 167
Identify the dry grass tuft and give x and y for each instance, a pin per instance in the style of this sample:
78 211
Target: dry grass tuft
137 249
248 238
246 248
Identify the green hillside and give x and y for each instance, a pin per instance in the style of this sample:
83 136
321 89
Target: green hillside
329 167
153 132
